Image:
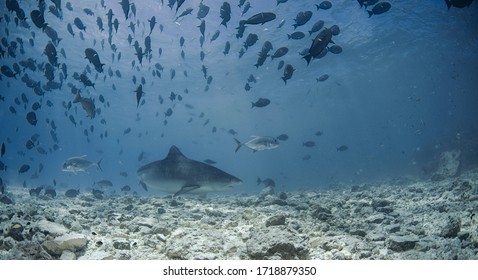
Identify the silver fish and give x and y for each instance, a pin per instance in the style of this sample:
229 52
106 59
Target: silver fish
79 164
259 143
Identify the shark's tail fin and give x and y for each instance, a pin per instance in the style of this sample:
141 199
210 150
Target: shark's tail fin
98 164
259 181
239 144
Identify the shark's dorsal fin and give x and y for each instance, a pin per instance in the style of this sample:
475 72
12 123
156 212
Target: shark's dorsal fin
174 153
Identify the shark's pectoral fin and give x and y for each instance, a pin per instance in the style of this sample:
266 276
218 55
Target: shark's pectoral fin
186 189
143 185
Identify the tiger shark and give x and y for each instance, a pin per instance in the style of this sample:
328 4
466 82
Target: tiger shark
178 174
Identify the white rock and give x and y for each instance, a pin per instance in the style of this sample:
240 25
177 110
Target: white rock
97 255
68 255
53 229
71 242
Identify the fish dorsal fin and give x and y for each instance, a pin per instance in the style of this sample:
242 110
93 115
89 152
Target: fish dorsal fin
174 153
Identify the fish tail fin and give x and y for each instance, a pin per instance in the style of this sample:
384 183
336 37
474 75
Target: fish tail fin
285 80
448 4
317 6
310 33
370 13
288 36
77 98
307 58
295 25
239 144
253 105
242 22
98 164
259 181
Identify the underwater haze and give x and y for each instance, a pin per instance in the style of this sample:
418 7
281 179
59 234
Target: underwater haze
401 89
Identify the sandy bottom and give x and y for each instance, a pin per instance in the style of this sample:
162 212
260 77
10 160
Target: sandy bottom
400 220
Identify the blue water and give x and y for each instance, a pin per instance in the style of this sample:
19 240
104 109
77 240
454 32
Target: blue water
402 91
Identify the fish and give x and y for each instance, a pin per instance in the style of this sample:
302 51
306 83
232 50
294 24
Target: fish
319 43
79 164
259 18
125 5
94 59
250 40
225 13
79 24
38 19
139 94
259 143
2 187
268 182
261 102
177 174
87 104
35 191
296 35
288 71
23 168
302 18
322 78
316 27
186 12
280 52
50 192
458 3
8 72
283 137
379 8
103 184
203 11
342 148
335 49
324 5
32 118
125 188
308 144
71 193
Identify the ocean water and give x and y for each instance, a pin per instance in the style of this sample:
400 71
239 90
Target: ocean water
402 91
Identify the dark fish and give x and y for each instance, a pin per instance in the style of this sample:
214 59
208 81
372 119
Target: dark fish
240 31
280 65
316 27
247 87
72 120
250 40
335 30
97 194
380 8
324 5
168 112
259 18
38 19
50 52
86 81
251 79
71 193
32 118
125 5
203 11
50 192
202 27
94 59
227 47
139 94
458 3
2 187
225 13
288 71
308 144
268 182
342 148
280 52
302 18
261 102
214 37
8 72
283 137
24 168
322 78
35 191
125 188
52 34
281 1
319 44
335 49
79 24
296 35
2 166
246 8
126 131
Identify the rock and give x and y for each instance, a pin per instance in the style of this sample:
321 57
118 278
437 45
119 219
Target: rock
451 227
97 255
72 242
5 199
67 255
375 219
121 245
448 165
322 214
277 242
401 243
16 231
358 232
275 221
51 228
393 228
